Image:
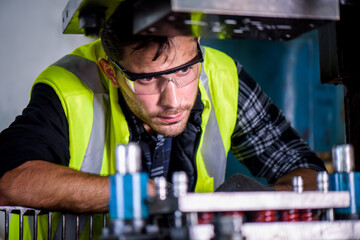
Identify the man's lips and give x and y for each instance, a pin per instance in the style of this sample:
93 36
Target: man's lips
171 118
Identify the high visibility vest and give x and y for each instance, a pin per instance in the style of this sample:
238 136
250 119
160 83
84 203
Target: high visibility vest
97 124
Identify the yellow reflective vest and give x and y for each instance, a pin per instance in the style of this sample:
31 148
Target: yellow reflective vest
97 124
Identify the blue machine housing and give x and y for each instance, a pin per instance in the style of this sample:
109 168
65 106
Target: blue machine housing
347 182
127 196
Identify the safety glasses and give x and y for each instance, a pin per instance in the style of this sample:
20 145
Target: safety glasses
154 83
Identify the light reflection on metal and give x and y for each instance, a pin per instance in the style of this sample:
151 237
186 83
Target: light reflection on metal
251 201
260 19
252 19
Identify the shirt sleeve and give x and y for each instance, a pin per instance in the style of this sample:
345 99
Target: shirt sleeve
263 139
39 133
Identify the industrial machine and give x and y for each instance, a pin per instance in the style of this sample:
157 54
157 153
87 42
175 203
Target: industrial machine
332 212
172 213
260 19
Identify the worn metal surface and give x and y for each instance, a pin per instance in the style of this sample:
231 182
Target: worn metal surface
316 9
250 201
302 230
320 230
260 19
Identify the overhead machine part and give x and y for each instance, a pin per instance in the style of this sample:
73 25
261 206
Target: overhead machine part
247 19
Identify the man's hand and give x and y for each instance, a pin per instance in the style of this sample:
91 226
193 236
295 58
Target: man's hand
285 182
40 184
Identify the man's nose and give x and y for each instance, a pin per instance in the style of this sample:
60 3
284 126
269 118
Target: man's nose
169 96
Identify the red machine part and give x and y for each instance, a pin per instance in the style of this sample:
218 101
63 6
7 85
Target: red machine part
264 216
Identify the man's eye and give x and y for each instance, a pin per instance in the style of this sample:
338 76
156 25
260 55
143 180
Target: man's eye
147 80
184 70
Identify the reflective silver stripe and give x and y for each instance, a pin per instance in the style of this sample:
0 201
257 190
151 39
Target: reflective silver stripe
88 72
94 153
213 150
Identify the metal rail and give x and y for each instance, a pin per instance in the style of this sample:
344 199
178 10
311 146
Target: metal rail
24 211
252 201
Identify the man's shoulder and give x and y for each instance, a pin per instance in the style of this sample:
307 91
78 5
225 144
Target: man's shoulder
215 59
91 51
212 52
73 70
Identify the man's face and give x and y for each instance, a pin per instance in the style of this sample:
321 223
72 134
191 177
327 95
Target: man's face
167 112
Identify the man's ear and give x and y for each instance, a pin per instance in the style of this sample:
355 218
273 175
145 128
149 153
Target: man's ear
108 70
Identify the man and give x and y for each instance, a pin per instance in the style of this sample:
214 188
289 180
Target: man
186 106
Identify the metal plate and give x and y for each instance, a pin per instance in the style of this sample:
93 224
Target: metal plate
260 19
302 230
291 230
251 201
250 19
70 15
302 9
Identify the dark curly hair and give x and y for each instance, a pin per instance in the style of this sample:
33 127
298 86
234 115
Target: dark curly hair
117 34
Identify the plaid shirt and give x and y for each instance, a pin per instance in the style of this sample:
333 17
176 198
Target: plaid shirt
263 139
155 150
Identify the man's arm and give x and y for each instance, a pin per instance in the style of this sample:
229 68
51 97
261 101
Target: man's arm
284 183
41 184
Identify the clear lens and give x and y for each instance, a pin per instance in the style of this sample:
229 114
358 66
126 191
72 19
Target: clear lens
156 85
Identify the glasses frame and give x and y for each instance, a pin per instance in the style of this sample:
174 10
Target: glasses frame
135 76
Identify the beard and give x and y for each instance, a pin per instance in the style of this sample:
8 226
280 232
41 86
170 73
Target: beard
152 121
168 129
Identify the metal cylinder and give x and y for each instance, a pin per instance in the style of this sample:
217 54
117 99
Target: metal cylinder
298 184
133 158
161 187
343 158
120 157
323 186
180 184
228 227
323 182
